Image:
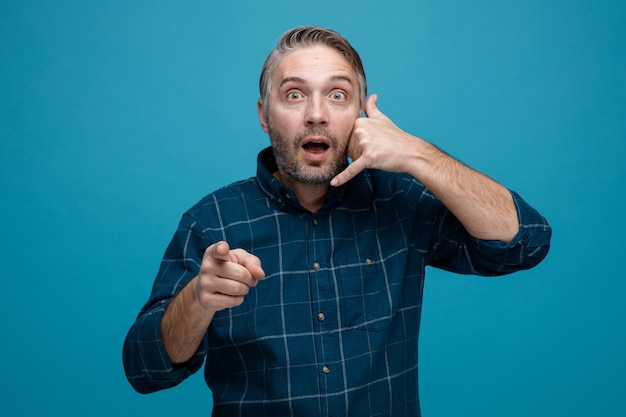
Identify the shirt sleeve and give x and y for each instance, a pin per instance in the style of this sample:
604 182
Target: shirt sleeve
458 251
146 363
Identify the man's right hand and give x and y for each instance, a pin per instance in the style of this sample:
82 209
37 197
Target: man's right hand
226 276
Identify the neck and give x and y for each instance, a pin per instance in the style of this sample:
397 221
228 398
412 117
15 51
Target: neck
311 197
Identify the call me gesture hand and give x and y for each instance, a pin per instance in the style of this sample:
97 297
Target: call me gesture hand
482 205
376 143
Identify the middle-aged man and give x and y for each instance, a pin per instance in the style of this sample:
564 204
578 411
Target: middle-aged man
302 286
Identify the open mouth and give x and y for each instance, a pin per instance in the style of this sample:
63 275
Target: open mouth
315 147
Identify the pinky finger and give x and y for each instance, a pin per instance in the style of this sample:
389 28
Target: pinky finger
347 174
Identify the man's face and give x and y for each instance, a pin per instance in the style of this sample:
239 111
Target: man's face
312 107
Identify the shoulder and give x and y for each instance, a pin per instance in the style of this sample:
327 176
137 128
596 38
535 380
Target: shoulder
232 192
225 201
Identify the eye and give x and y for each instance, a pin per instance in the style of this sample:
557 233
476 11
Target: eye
338 95
294 95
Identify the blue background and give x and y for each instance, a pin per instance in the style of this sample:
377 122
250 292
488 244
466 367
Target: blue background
116 116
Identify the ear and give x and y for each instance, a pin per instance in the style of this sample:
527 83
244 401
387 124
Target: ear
262 116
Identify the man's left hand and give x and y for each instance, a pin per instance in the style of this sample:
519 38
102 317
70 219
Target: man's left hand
376 143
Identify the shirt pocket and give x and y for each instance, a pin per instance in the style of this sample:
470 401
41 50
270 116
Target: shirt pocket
366 299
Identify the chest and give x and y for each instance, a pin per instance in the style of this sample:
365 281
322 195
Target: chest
351 269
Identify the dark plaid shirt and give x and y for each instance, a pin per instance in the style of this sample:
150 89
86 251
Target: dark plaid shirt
333 328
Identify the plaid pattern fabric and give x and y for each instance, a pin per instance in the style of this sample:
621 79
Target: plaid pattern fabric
333 328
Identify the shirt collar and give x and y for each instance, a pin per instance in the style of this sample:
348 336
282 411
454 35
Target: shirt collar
283 196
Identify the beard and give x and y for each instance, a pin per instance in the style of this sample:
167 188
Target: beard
285 153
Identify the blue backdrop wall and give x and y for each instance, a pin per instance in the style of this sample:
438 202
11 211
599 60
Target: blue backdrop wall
117 116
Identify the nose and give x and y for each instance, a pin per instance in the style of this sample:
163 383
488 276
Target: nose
316 111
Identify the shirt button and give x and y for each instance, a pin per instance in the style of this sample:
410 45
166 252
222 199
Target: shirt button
326 369
314 222
321 316
369 261
316 266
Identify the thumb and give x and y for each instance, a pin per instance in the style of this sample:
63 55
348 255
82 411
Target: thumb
371 108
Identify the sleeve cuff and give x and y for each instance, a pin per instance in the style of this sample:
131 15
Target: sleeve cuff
148 366
527 248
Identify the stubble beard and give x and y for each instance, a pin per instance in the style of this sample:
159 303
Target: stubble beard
285 154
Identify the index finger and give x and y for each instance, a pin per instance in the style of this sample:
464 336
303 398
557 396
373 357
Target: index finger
219 251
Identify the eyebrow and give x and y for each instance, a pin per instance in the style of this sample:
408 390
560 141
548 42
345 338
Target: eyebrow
299 80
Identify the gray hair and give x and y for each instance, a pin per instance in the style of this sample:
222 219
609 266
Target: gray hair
309 36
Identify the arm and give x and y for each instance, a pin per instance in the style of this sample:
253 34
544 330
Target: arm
457 251
484 207
225 278
165 345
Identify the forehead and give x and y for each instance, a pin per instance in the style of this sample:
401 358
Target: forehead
314 63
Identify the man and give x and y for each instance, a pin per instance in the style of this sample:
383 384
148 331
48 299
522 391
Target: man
302 286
